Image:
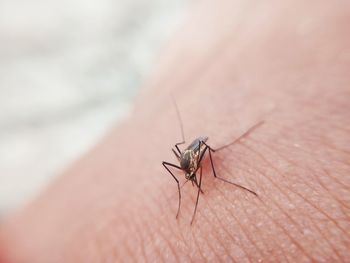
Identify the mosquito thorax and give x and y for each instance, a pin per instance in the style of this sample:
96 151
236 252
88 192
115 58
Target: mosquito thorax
187 161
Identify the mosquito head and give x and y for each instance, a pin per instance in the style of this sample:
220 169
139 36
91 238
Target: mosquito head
188 176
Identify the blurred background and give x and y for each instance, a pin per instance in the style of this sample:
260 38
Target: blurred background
69 70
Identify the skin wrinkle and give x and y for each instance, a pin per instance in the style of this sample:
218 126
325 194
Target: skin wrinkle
292 239
270 180
163 212
333 147
339 200
100 251
102 233
127 223
321 233
188 210
198 246
227 232
217 237
317 178
106 226
285 231
302 149
154 218
209 223
277 206
305 199
207 239
134 229
163 193
256 229
326 239
103 252
170 246
131 231
287 215
289 236
142 241
155 248
318 139
307 169
321 134
276 245
243 230
182 237
232 216
334 124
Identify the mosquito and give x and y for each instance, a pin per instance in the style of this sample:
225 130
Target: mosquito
190 161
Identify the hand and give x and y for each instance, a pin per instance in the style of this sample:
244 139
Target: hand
285 62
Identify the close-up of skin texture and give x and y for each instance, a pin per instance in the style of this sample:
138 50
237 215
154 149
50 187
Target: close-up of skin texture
231 65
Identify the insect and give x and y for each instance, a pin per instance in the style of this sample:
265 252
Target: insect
190 161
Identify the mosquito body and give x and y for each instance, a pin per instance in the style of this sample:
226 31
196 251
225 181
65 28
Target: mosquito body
190 161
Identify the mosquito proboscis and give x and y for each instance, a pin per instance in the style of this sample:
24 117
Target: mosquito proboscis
191 157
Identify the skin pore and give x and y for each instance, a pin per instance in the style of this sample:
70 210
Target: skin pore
233 64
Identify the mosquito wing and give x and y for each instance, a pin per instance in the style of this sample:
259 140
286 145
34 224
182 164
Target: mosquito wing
194 146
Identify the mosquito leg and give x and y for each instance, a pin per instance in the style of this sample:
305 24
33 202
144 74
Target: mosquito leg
177 181
196 183
177 146
224 180
209 146
237 185
200 155
199 189
211 161
176 154
245 134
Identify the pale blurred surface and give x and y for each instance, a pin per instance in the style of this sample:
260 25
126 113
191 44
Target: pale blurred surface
68 71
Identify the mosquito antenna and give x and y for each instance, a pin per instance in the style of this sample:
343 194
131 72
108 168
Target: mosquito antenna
242 136
179 118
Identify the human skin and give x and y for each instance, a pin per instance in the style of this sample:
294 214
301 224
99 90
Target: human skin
233 64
